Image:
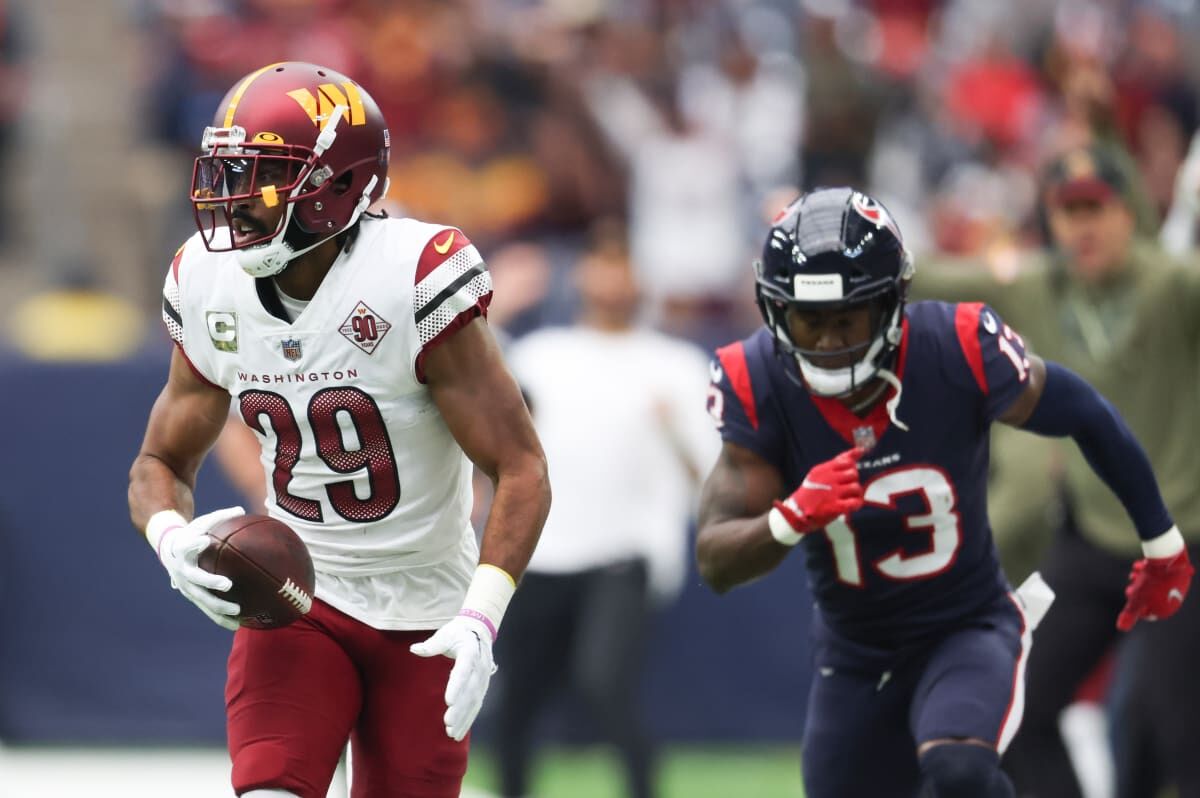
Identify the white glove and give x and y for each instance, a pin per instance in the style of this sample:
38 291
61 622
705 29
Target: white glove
179 546
468 642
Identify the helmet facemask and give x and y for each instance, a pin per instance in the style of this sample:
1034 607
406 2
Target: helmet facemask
233 174
868 357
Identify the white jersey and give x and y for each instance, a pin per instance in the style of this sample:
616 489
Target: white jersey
358 459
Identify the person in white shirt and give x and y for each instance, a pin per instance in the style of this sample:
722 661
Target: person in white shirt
620 411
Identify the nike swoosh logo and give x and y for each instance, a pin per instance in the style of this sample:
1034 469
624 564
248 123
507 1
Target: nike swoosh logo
444 247
1175 593
714 372
807 483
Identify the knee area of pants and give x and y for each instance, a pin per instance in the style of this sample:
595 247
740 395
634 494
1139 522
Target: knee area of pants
264 769
961 770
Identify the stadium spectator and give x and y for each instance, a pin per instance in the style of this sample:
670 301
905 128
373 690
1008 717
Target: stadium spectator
619 410
370 390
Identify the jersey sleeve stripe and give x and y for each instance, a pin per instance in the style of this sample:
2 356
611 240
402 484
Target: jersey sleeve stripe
733 361
173 321
172 305
966 324
449 291
472 294
171 313
458 322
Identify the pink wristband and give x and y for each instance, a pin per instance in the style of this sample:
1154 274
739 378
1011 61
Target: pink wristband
479 616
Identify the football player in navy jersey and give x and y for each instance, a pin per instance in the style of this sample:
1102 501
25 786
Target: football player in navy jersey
857 426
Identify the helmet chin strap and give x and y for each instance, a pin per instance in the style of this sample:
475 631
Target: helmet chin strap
893 404
839 382
271 258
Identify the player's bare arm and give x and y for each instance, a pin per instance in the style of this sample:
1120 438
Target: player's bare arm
184 423
734 544
483 408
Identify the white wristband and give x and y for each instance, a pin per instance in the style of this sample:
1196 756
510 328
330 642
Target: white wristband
158 525
488 596
781 530
1166 545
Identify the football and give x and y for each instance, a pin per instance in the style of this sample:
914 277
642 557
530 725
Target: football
269 566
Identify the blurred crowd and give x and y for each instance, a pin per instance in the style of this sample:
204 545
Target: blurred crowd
525 122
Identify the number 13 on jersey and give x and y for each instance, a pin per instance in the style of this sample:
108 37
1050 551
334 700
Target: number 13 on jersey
940 523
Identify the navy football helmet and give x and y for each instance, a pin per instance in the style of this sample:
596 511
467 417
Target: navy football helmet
835 248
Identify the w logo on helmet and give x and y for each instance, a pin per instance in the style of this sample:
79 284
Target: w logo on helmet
329 96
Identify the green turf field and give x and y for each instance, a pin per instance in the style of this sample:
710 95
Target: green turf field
686 772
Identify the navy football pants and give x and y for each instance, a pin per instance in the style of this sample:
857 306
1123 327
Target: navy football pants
869 709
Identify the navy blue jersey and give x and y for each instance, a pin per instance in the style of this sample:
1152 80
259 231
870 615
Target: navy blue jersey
918 557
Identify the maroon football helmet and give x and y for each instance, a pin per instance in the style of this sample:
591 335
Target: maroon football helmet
295 134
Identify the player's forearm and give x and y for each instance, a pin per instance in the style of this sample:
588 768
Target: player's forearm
154 486
735 551
518 512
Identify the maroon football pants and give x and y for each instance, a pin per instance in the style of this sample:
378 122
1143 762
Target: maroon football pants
295 695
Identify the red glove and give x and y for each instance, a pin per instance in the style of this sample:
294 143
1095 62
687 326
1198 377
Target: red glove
1157 587
830 489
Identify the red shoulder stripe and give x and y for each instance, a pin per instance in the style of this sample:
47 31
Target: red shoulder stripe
438 248
966 324
175 262
733 360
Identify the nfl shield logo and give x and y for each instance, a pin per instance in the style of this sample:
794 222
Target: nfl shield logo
864 438
291 348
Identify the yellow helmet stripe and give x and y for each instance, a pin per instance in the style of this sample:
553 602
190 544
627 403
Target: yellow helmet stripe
237 94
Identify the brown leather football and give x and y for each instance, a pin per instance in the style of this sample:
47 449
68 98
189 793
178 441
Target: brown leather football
269 566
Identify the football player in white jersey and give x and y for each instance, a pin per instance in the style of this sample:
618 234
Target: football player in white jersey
356 347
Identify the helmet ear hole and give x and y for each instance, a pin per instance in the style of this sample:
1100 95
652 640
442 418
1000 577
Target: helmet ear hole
343 182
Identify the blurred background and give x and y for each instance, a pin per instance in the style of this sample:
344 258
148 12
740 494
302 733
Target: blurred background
685 123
